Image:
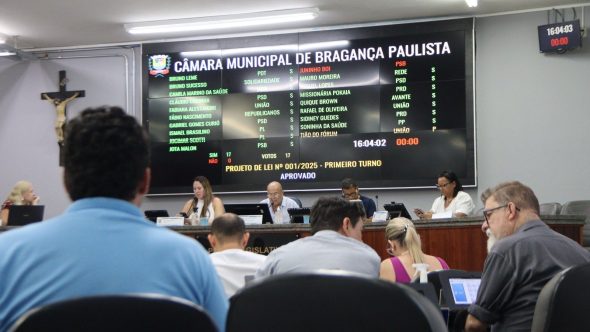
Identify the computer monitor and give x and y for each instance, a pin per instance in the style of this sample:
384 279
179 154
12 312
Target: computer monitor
397 210
250 210
298 215
154 214
21 215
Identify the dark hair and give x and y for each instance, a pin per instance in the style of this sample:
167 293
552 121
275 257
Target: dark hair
228 225
106 153
327 213
452 177
519 194
349 183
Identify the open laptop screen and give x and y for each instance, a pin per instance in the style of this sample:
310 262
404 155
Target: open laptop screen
21 215
154 214
464 290
245 210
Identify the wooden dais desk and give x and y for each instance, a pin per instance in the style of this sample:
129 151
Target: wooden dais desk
459 241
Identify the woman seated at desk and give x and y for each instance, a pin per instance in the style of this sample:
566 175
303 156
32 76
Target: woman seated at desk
453 200
21 194
203 206
404 246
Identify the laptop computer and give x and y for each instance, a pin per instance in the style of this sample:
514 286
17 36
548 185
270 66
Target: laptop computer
21 215
248 210
154 214
460 289
299 215
397 210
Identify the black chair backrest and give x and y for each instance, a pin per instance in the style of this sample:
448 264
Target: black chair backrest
141 312
297 200
563 304
330 302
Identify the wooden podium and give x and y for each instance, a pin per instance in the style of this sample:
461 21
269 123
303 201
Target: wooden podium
459 241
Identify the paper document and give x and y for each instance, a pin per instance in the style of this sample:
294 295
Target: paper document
441 215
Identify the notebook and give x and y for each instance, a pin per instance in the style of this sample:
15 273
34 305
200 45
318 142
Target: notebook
21 215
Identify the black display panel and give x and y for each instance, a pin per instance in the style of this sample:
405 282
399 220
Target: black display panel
390 106
560 37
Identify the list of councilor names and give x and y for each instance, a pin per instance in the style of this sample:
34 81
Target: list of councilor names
255 118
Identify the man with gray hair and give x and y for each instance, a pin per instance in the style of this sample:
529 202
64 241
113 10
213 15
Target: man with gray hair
526 255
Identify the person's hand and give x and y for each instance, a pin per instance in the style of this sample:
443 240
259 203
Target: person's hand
36 200
419 213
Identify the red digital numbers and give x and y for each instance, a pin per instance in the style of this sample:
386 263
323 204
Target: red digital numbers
561 41
407 141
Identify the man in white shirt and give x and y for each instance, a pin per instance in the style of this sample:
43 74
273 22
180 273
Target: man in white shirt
229 238
278 204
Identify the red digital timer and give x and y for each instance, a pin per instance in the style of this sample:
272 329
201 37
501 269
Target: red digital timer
559 37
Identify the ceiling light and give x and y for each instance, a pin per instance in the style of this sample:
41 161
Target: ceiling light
471 3
222 22
6 53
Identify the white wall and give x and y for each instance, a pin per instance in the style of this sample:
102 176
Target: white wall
532 115
28 145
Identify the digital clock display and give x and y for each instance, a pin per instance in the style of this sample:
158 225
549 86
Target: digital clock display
559 37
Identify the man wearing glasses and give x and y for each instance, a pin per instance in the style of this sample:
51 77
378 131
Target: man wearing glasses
278 204
350 192
526 255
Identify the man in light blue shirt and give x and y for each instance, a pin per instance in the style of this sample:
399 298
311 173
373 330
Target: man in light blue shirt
102 244
278 204
336 244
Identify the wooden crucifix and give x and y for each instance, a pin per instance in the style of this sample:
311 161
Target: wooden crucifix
60 100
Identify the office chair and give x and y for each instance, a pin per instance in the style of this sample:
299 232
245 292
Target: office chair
297 200
549 208
136 312
563 303
330 301
579 207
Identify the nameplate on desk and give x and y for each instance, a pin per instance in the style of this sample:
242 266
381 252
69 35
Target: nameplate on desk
380 216
443 215
255 219
170 221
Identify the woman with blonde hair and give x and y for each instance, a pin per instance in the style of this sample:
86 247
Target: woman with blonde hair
21 194
406 249
204 204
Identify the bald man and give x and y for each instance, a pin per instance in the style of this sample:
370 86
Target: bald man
278 204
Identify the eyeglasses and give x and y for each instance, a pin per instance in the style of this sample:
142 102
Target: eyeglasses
488 213
273 194
443 185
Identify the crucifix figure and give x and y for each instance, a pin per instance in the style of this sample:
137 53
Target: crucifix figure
60 100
